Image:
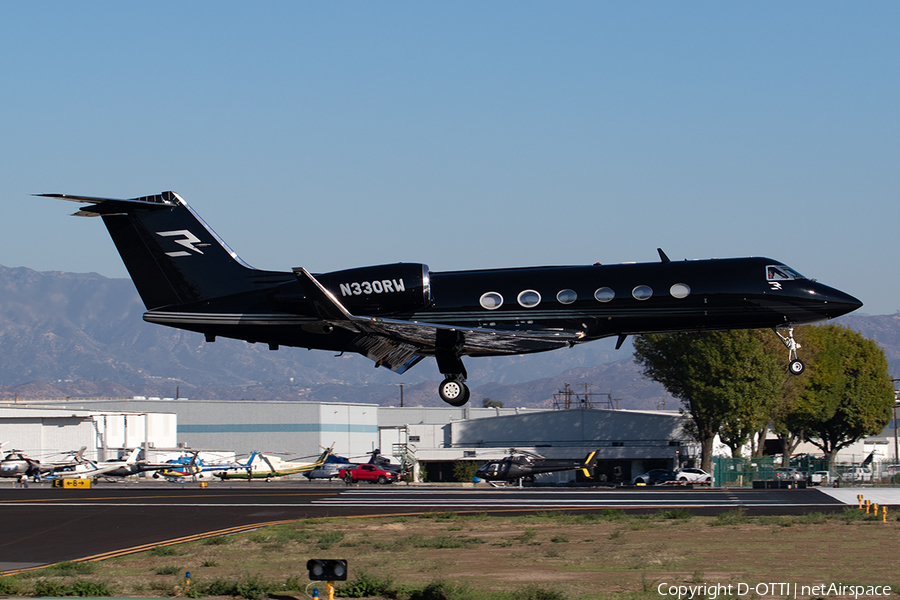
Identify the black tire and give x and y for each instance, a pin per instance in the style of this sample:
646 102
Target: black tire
796 367
453 391
347 479
382 479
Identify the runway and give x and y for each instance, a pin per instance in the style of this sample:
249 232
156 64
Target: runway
44 525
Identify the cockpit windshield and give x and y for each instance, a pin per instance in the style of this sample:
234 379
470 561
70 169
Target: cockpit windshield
782 273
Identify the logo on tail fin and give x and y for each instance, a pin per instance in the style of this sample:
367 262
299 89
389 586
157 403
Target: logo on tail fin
187 241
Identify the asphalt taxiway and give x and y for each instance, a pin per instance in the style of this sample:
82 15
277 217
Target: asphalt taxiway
43 525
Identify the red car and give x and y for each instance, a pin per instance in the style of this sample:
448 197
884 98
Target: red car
370 473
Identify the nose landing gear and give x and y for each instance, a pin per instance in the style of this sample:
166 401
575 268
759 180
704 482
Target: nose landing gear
795 366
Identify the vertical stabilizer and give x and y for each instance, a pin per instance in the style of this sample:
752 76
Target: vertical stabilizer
172 256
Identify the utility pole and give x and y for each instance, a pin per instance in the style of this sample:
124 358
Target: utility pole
401 393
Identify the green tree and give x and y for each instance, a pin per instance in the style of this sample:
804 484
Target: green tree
464 470
848 393
488 403
726 380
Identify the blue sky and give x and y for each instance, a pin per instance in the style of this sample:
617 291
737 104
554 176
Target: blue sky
464 134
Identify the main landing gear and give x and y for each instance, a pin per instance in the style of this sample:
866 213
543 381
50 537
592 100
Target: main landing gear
795 366
452 390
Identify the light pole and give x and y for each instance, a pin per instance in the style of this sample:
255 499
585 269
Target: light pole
896 404
400 385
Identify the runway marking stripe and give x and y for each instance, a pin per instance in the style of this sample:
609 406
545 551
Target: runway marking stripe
144 547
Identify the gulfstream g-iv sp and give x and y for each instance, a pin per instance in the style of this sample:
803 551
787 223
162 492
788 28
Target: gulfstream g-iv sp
398 314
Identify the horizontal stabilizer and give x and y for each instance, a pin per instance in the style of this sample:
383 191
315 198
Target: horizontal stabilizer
112 206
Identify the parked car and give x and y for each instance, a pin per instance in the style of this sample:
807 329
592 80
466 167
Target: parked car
890 472
694 475
820 478
329 468
370 473
654 476
789 474
857 474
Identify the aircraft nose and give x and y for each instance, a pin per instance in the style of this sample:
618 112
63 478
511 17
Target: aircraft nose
835 302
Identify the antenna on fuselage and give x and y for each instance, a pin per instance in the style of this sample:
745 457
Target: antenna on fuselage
662 256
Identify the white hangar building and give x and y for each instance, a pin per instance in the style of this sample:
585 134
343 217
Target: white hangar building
43 431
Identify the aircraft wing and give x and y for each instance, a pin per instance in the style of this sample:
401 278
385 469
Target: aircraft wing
84 474
399 344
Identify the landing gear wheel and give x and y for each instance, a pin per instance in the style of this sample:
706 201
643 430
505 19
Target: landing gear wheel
453 391
796 367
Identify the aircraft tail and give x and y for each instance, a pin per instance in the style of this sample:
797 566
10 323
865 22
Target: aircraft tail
590 461
133 457
172 256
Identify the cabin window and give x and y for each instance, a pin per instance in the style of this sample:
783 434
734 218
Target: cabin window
642 292
680 290
604 294
491 300
529 298
567 296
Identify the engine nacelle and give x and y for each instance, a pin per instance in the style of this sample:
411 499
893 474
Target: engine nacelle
380 289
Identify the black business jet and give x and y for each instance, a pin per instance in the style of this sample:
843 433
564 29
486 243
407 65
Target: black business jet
397 314
525 465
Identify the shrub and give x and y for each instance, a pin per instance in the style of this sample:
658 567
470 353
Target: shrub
441 590
10 586
534 592
366 585
93 589
46 587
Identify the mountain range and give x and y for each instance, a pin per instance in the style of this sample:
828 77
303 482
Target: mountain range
82 335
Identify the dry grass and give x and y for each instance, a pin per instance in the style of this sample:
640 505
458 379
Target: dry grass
608 555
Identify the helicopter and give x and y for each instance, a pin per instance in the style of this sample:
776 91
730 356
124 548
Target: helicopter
17 464
522 465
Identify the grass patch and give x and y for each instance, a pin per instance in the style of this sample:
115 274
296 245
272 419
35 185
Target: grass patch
680 514
67 569
163 551
735 516
218 540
